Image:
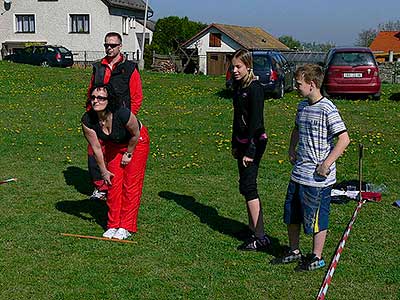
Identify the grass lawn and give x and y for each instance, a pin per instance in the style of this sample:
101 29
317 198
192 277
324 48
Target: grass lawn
191 212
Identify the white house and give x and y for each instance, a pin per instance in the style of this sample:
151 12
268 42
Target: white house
217 42
79 25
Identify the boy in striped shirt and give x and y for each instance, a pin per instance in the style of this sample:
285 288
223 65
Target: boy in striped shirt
313 154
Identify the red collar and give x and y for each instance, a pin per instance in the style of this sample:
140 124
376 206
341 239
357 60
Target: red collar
106 60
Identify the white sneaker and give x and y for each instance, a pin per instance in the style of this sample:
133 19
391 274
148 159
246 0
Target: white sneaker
98 195
121 234
110 233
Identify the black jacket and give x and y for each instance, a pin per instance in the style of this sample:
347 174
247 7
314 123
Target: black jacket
119 80
248 117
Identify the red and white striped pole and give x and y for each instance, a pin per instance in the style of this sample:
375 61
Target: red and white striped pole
8 180
329 274
332 267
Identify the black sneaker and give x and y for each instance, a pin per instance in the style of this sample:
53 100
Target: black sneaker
310 263
288 257
255 244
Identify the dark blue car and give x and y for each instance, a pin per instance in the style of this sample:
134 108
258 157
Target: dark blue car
273 70
46 56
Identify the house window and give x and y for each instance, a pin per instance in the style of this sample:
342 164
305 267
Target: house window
125 25
79 23
25 23
215 40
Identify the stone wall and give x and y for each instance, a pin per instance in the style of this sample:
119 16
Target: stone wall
390 72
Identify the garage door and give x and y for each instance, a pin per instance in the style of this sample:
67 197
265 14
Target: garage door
217 63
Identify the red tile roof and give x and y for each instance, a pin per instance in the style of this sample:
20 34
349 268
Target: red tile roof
386 41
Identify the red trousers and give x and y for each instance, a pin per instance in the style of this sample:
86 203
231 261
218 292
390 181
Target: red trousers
124 194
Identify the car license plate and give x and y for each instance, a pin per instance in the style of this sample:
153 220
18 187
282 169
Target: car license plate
67 56
352 75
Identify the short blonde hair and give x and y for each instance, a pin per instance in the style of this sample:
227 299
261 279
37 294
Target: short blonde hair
310 72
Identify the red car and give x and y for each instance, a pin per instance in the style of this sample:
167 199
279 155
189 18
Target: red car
351 71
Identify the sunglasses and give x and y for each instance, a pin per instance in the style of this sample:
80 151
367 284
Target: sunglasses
99 98
111 45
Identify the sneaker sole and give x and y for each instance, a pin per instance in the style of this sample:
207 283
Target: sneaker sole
299 269
278 261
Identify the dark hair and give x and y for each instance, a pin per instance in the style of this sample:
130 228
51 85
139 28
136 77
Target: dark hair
113 33
311 72
113 102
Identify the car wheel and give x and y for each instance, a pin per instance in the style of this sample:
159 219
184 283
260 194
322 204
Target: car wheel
280 92
45 64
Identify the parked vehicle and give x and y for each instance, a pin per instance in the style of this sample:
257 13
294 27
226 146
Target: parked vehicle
351 71
46 56
272 69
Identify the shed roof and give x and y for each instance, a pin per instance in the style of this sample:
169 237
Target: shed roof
386 41
247 37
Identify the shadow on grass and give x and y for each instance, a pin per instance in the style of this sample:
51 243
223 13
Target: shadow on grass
395 97
88 210
209 216
78 178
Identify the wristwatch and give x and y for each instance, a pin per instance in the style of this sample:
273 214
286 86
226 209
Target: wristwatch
128 154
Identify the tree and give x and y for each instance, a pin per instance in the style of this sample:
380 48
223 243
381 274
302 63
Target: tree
390 26
171 31
366 37
289 41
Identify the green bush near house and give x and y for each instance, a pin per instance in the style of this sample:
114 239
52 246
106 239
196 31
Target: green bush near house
191 208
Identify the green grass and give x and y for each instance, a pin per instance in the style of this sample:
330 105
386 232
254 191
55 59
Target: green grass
191 208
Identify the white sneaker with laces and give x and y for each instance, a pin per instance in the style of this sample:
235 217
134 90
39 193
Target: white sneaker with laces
98 195
110 233
121 234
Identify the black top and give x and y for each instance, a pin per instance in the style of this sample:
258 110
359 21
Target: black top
119 134
248 116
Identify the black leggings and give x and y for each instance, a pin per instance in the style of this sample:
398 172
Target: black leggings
248 175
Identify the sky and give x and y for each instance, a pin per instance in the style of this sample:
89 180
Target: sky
321 21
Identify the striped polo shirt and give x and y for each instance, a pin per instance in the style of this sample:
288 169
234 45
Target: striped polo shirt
317 124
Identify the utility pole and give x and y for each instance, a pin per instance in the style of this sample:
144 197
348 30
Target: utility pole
141 61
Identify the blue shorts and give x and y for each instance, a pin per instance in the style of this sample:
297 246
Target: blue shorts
307 205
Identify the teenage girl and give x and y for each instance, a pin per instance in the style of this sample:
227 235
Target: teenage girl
249 141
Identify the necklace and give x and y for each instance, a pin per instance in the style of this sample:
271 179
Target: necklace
103 122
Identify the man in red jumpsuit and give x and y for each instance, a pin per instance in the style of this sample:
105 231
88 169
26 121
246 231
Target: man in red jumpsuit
123 76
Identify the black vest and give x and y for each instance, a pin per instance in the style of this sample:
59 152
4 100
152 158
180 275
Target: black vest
119 80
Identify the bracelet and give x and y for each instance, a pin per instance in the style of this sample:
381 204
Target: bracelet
128 154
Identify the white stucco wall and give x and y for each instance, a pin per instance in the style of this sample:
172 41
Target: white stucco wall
202 43
52 24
